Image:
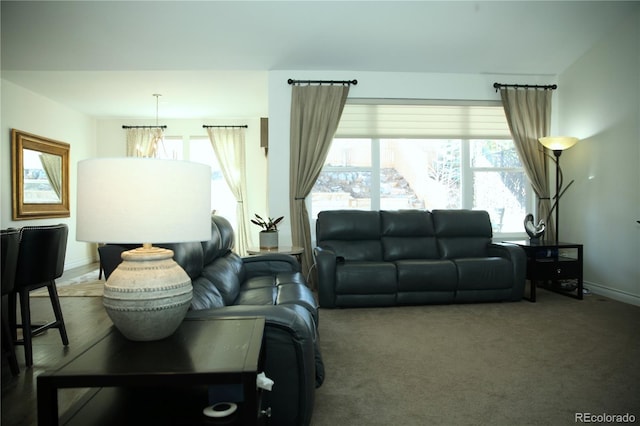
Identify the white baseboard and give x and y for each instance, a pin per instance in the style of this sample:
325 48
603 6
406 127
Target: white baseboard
620 296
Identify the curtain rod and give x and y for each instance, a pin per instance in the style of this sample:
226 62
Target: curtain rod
525 86
144 127
291 81
243 126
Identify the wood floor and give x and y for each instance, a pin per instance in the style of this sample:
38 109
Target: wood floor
85 318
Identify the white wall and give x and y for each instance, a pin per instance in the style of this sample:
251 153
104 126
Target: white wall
30 112
370 85
600 103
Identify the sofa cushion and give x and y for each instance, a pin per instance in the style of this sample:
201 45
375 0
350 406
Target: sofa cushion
188 256
427 275
358 251
258 296
422 282
366 278
484 273
462 233
225 231
226 274
205 295
408 234
350 234
212 248
348 225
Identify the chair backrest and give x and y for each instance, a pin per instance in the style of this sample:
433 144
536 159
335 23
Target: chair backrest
9 252
42 253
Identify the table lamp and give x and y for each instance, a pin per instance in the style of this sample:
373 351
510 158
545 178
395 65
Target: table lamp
144 201
558 144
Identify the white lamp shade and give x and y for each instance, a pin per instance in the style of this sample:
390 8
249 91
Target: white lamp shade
558 143
142 200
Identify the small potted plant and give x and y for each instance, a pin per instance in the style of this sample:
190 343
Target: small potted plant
269 233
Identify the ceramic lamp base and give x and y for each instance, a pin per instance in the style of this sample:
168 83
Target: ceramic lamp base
148 295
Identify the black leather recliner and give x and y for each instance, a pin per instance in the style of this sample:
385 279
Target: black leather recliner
413 257
270 286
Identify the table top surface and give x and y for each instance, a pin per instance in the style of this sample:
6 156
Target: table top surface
293 250
198 347
543 244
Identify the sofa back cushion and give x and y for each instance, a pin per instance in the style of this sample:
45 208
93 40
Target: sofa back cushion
188 256
222 271
205 295
462 233
227 237
351 234
408 234
212 249
226 274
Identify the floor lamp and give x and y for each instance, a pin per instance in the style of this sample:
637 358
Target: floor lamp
558 144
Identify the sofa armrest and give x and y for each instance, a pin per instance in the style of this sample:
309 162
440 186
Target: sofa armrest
518 259
326 261
269 264
293 359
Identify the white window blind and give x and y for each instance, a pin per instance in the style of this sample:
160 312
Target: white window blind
447 121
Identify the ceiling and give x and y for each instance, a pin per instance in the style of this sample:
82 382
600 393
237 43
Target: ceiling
212 58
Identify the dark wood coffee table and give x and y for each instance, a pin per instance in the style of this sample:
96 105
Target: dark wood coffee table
164 382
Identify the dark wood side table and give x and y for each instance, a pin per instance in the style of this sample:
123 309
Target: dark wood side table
547 263
164 382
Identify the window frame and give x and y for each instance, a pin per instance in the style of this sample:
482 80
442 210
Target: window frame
467 170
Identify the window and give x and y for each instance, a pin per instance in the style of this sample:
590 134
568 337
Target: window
199 150
443 157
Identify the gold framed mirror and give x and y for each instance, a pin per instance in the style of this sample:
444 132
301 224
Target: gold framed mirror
40 176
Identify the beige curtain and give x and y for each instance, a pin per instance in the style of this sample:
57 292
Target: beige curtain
528 112
315 114
143 142
229 146
52 166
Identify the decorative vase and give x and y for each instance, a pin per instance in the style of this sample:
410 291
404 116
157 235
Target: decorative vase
268 239
148 295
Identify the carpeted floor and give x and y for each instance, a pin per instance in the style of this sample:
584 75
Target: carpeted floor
475 364
480 364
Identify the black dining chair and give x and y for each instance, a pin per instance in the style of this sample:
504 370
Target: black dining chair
9 254
40 262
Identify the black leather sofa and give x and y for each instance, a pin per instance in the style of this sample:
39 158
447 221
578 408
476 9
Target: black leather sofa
269 286
413 257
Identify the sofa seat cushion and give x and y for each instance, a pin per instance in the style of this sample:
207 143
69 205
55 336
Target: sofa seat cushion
259 296
484 273
283 288
366 278
426 275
